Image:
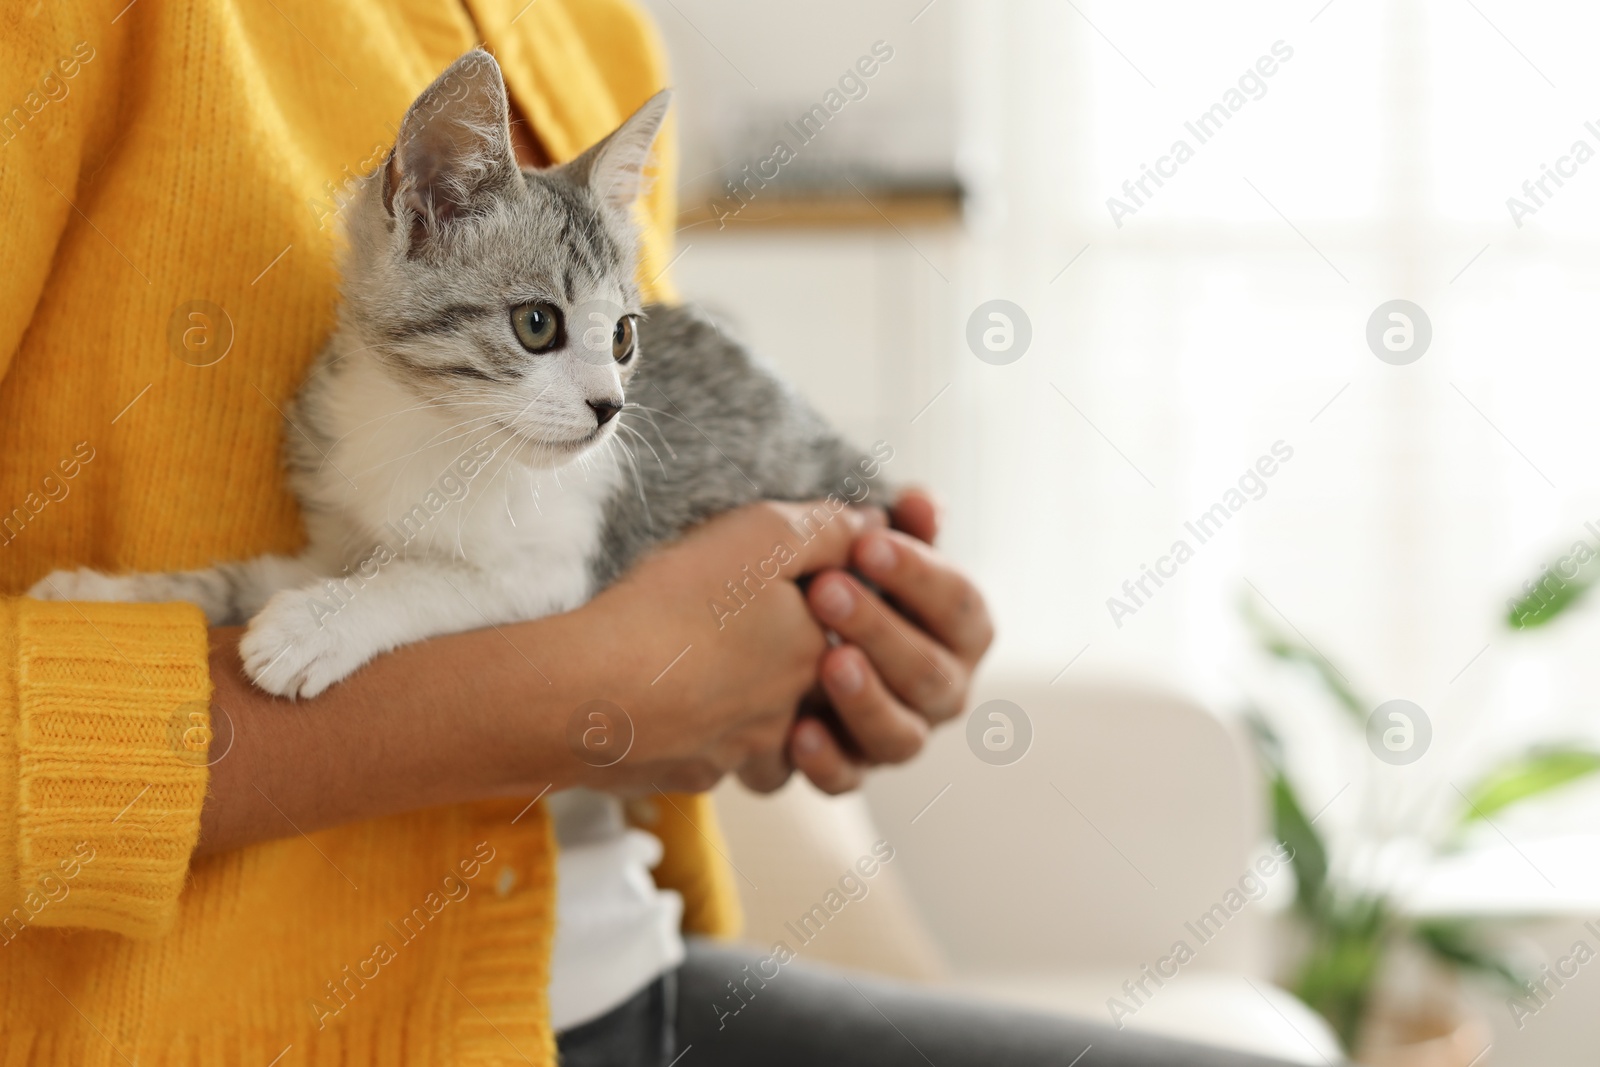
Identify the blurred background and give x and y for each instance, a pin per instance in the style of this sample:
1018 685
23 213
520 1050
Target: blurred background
1156 341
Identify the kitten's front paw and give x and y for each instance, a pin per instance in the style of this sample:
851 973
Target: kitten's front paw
290 651
81 584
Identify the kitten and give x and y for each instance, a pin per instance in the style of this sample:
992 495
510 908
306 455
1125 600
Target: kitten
464 450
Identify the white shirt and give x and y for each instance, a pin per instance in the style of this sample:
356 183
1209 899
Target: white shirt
615 931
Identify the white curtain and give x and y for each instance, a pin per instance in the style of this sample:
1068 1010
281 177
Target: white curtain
1229 312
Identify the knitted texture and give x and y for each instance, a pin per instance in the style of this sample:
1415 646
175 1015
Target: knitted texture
171 177
109 743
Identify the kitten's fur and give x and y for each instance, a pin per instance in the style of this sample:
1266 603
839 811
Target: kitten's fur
449 477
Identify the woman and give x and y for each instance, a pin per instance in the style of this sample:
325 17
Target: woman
191 872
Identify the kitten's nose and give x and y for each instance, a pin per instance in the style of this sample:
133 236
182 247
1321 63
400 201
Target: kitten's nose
604 410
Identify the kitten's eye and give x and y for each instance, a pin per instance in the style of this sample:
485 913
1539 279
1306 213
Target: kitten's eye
622 340
538 326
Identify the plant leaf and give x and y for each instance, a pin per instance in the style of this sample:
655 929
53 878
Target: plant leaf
1268 745
1349 940
1281 646
1308 854
1553 596
1453 941
1528 776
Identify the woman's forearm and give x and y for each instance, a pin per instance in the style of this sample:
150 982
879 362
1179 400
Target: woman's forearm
454 719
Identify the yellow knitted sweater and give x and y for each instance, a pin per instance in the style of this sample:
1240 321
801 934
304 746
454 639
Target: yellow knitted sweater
170 176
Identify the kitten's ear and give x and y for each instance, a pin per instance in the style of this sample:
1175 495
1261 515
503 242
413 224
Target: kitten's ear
454 146
614 168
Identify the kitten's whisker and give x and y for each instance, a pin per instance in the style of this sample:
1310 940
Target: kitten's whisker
433 442
511 453
462 515
650 416
654 411
426 403
503 428
642 440
638 480
430 402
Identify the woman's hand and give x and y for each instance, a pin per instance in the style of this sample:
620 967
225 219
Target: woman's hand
907 657
708 644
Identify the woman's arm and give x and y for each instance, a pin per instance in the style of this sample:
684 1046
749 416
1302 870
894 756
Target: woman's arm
486 713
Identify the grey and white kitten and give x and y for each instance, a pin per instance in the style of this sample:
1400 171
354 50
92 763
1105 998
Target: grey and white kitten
496 428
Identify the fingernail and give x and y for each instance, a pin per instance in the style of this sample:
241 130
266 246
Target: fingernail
845 675
877 555
807 739
835 602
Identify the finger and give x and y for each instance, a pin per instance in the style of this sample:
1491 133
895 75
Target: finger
766 772
916 512
916 668
923 583
817 754
810 536
881 728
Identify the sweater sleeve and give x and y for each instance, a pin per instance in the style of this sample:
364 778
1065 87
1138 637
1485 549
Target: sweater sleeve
105 733
104 708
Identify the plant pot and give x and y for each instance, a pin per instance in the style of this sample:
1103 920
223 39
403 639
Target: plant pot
1425 1039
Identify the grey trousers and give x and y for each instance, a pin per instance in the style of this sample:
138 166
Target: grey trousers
718 1010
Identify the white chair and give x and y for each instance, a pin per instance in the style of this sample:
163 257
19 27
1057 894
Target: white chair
1050 881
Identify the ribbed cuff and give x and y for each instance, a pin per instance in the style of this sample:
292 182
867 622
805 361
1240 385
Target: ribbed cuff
108 707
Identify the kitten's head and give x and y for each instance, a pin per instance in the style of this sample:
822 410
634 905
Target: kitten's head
503 297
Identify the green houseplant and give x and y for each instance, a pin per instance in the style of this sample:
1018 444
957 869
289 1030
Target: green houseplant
1351 928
